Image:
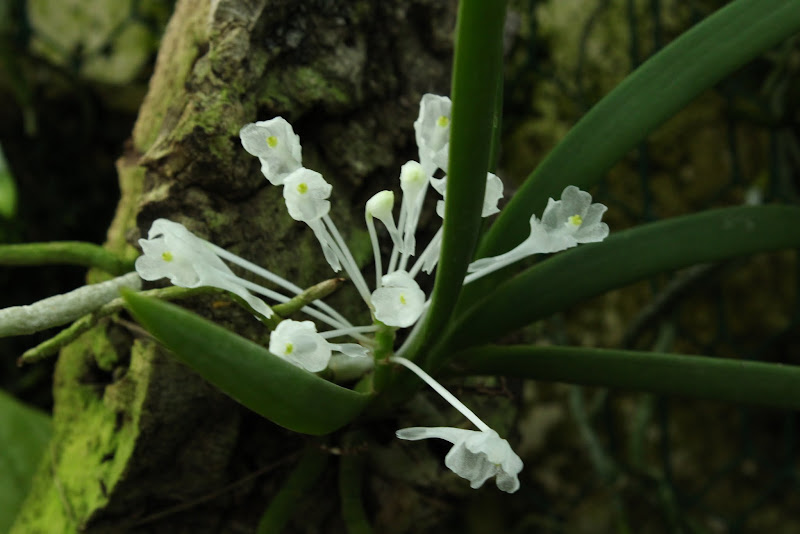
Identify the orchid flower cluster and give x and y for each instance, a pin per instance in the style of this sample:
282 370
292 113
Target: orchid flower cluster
397 301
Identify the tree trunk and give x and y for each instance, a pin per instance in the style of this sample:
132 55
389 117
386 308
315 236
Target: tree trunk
141 443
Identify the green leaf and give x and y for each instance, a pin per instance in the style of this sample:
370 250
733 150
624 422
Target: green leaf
8 190
248 373
657 90
623 258
739 381
24 435
476 81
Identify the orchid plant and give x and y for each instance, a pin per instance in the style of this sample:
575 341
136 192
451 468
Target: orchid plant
480 290
397 301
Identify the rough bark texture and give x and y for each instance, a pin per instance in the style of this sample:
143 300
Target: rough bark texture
142 444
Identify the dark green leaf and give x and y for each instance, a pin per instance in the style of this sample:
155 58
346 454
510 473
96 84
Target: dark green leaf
24 434
8 190
623 258
476 75
247 372
721 379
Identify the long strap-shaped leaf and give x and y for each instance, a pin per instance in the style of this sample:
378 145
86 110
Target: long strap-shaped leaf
657 90
722 379
285 394
476 74
623 258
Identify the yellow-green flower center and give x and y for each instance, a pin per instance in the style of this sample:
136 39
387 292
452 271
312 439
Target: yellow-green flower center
167 256
302 188
289 348
272 141
403 300
443 121
575 220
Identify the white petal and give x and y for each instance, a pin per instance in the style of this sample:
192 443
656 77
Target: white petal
400 301
594 214
591 229
178 237
306 193
159 261
493 194
440 208
432 129
299 343
575 201
276 145
441 159
485 454
552 218
453 435
439 185
353 350
432 258
469 465
592 234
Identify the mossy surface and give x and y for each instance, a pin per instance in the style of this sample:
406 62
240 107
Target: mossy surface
90 447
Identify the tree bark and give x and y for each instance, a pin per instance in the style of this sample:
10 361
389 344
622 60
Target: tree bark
141 443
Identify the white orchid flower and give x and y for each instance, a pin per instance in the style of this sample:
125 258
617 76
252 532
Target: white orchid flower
432 129
476 455
306 194
276 146
299 343
189 261
565 223
171 251
399 301
575 216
